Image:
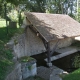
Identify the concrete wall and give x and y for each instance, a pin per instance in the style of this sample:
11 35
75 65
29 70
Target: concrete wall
29 44
62 43
23 70
28 69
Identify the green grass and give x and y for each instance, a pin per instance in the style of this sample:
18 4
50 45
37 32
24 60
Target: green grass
5 53
5 60
4 36
73 76
2 23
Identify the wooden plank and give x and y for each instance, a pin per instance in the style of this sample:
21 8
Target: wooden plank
63 54
48 53
66 49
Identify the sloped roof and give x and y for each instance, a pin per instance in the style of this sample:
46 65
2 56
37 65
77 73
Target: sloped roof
54 26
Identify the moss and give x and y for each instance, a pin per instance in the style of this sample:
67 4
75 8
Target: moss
15 42
26 59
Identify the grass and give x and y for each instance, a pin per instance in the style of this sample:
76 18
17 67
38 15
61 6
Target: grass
73 76
2 23
5 53
5 60
4 36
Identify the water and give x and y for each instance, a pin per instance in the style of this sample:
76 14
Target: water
65 63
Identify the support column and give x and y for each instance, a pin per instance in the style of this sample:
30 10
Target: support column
48 55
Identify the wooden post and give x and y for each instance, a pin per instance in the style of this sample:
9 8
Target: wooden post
46 44
48 55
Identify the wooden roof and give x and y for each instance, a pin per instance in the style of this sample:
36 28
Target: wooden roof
54 26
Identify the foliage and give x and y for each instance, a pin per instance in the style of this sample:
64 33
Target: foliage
26 59
36 5
6 56
50 6
73 76
13 15
78 16
76 61
21 17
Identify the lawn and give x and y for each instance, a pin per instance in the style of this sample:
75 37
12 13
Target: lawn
5 53
2 23
73 76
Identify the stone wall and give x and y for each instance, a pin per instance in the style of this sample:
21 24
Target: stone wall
23 70
29 44
29 69
16 74
62 43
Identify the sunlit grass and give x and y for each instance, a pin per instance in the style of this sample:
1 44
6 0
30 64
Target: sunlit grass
73 76
2 23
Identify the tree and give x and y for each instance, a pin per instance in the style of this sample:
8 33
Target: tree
36 5
78 10
1 8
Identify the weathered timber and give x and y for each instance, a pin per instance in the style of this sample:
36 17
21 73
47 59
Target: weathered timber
46 44
64 52
48 52
55 47
48 55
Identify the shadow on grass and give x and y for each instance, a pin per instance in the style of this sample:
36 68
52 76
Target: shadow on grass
5 53
6 35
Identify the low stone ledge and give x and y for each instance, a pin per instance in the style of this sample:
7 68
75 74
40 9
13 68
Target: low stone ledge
28 67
